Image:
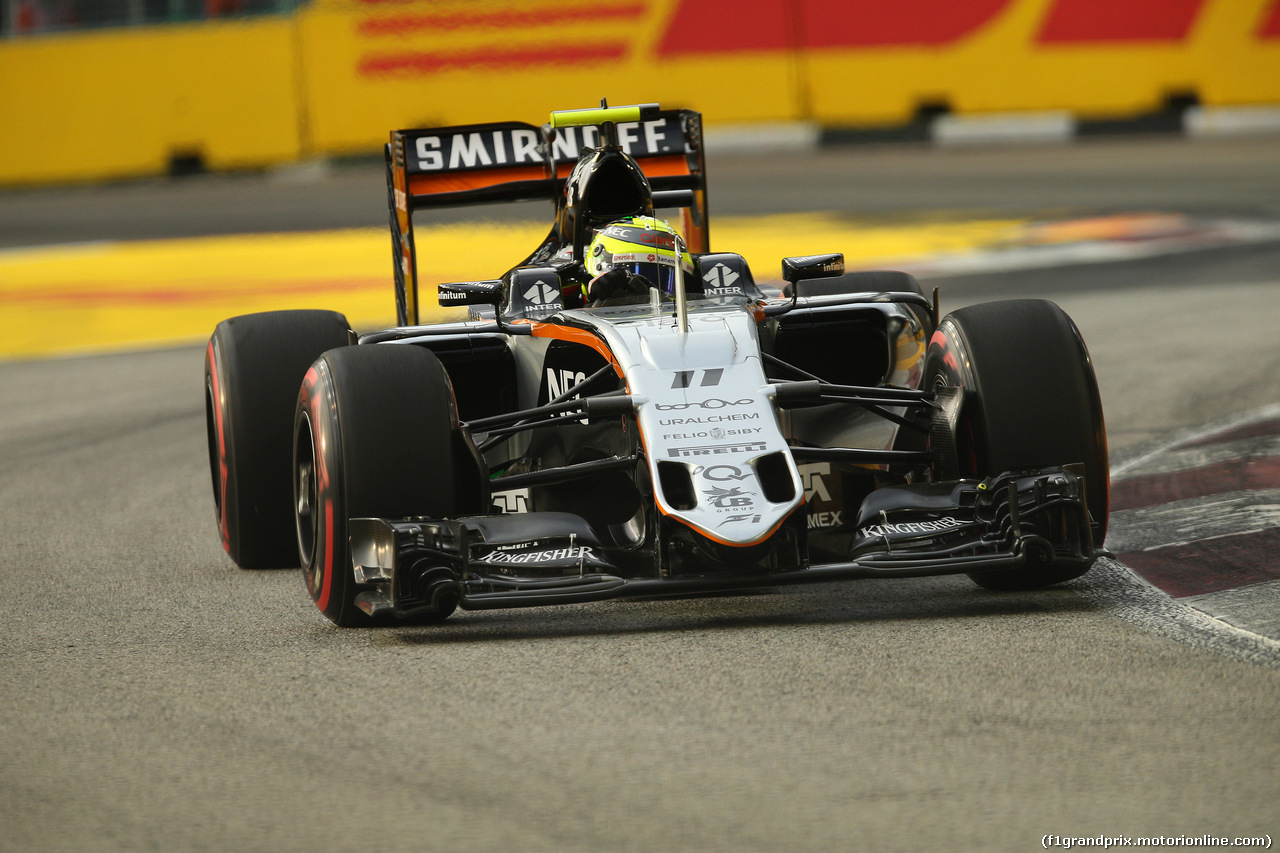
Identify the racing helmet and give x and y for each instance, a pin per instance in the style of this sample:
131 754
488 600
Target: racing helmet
642 245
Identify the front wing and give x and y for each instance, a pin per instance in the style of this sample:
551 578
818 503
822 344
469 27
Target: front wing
419 565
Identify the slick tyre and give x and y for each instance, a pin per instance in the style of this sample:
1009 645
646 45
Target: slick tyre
376 435
1031 401
253 366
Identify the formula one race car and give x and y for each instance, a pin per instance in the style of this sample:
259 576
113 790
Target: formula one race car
627 413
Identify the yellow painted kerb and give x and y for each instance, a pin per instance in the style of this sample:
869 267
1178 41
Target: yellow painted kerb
111 296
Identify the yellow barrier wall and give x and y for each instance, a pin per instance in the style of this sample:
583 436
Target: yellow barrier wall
1093 58
374 67
337 75
121 102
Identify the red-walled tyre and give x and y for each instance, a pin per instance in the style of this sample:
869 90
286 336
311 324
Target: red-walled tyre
376 435
1031 401
253 366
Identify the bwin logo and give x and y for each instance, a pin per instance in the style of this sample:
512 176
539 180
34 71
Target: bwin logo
541 294
720 276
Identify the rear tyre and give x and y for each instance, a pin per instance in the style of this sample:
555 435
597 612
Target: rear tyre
376 435
1031 401
253 366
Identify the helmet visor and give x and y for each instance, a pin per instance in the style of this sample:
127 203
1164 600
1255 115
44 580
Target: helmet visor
661 276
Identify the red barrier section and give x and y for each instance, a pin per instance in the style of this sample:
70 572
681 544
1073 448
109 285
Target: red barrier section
434 21
410 64
1270 28
1093 21
779 24
744 26
893 23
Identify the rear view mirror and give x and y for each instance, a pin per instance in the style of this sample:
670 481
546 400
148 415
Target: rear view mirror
803 269
470 293
812 266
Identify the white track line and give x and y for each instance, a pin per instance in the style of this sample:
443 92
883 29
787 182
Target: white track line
1121 591
1196 434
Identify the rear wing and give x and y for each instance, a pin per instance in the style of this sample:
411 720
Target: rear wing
501 162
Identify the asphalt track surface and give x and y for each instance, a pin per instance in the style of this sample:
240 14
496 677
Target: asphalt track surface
157 698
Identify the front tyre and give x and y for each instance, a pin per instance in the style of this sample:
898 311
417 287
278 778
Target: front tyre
376 435
253 366
1031 401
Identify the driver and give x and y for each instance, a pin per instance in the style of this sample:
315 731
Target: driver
631 256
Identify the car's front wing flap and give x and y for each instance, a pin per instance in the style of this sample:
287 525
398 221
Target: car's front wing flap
415 565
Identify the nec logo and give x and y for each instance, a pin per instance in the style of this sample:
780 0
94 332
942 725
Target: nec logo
561 381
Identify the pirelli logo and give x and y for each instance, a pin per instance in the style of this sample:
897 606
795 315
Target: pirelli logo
717 449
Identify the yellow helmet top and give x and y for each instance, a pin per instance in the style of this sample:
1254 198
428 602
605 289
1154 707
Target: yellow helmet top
643 245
